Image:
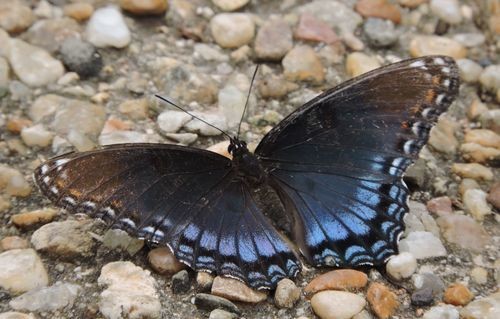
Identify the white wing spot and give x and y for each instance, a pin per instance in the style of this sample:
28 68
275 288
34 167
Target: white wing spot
44 169
129 222
426 111
417 64
69 200
89 204
46 180
109 211
61 162
54 190
439 61
446 83
440 98
408 146
446 70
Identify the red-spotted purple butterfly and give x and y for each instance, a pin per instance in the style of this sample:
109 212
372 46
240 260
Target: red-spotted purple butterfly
336 164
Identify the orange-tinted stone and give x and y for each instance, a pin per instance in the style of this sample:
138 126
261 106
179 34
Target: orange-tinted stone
382 300
164 262
17 124
235 290
36 217
341 279
13 242
440 205
379 9
312 29
458 295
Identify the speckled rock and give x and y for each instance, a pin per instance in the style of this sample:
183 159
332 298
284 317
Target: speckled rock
332 304
485 308
12 182
273 40
81 57
35 217
67 239
472 170
15 16
442 137
458 295
312 29
442 312
22 270
429 281
479 275
382 300
358 63
422 245
130 292
303 64
379 9
341 279
401 266
475 203
50 298
464 232
422 45
380 33
286 294
235 290
144 7
419 219
232 30
33 65
107 27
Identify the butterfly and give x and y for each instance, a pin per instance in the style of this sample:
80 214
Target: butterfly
336 164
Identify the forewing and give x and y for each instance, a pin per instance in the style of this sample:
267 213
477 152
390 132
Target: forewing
185 198
337 162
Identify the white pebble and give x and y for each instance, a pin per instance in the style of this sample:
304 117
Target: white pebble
22 270
442 312
107 28
172 121
422 244
475 203
36 136
330 304
402 265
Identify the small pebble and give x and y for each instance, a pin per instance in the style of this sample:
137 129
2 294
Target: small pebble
222 314
422 245
303 64
273 40
442 138
232 30
358 63
442 312
379 9
380 33
473 152
107 27
80 11
130 292
463 231
13 242
422 297
401 266
382 300
494 196
484 308
440 206
469 70
479 275
341 279
457 295
16 315
22 270
196 126
15 16
427 280
12 182
472 170
332 304
135 109
33 218
164 262
180 282
141 7
81 57
338 15
210 302
37 135
286 294
230 5
235 290
470 39
51 298
312 29
447 10
204 281
423 45
172 121
475 203
490 78
466 184
483 137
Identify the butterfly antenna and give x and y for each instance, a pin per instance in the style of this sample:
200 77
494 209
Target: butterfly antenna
248 98
194 116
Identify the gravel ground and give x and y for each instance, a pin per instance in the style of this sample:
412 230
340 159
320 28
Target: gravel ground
77 75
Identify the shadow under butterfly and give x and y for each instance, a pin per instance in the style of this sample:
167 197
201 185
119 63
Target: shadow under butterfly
336 163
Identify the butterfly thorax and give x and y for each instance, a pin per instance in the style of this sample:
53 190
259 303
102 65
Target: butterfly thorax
247 165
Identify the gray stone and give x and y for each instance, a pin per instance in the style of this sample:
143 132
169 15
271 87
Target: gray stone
380 32
81 57
422 245
211 302
422 297
442 312
469 70
196 126
180 282
172 121
222 314
490 77
50 33
273 40
50 298
447 10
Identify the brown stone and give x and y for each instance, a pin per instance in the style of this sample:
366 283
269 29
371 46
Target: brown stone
164 262
144 7
412 3
312 29
341 279
382 300
36 217
13 242
457 295
494 195
236 290
379 9
273 40
16 125
440 205
422 45
80 11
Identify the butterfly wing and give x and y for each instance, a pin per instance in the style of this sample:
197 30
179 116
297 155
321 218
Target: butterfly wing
185 198
337 162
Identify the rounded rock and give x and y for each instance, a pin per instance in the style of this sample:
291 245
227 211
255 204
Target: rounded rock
469 70
312 29
475 203
50 298
457 295
423 45
490 78
401 266
222 314
273 40
81 57
36 135
332 304
235 290
382 300
107 27
16 315
15 16
286 294
340 279
484 308
144 7
447 10
180 282
22 270
441 312
164 262
472 170
303 64
12 182
422 245
479 275
232 30
230 5
380 33
80 11
358 63
13 242
463 231
379 9
35 217
204 281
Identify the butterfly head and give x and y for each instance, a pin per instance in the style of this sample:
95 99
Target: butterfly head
237 147
246 163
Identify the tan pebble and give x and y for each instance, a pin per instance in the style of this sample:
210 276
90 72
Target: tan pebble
135 109
493 196
204 280
341 279
36 217
475 203
457 295
164 262
13 183
13 242
440 205
80 11
382 300
16 125
236 290
479 275
466 184
331 304
4 204
358 63
379 9
303 64
472 170
477 153
476 108
483 137
144 7
412 3
286 294
422 45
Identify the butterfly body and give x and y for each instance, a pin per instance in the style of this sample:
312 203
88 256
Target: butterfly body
336 164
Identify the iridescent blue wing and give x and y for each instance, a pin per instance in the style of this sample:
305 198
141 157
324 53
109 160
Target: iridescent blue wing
185 198
337 162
